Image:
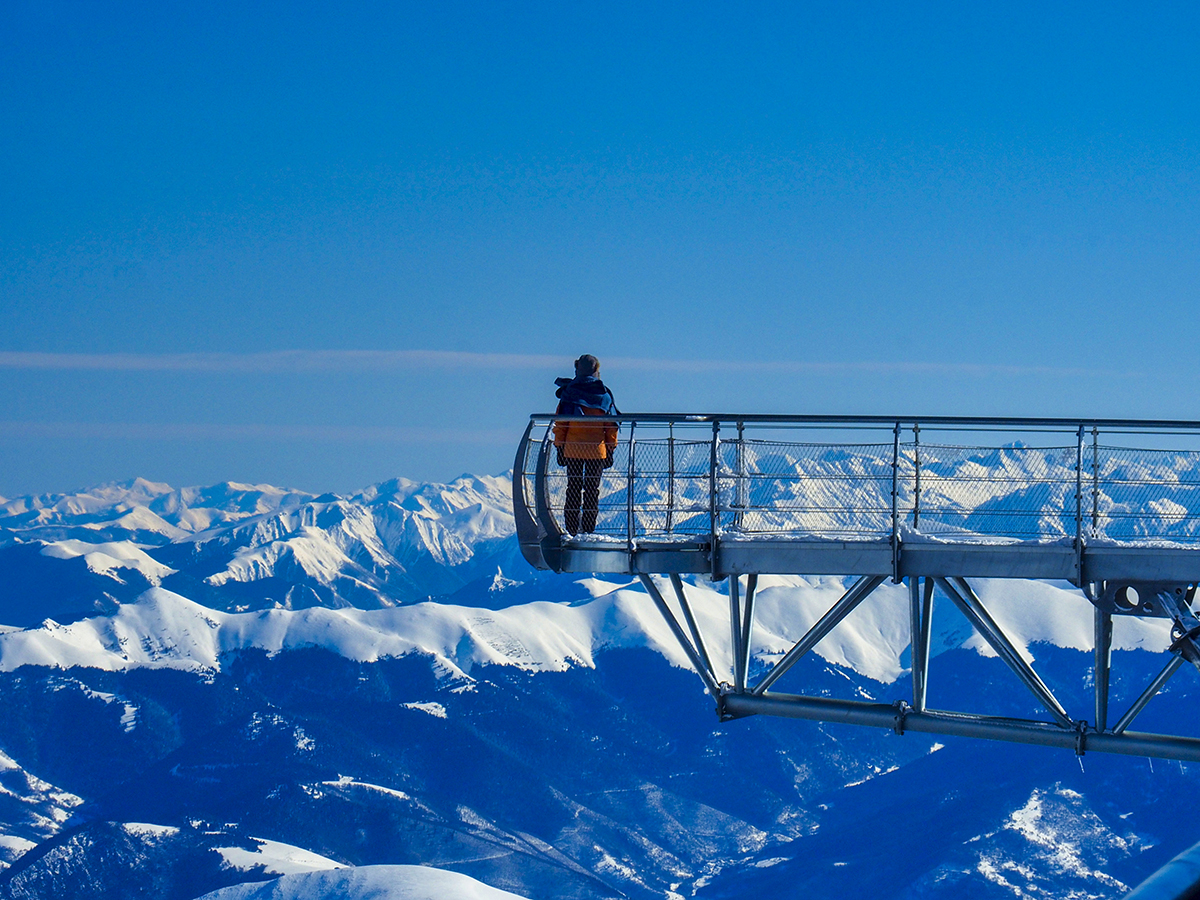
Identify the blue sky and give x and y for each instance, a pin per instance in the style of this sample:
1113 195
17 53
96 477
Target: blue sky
323 245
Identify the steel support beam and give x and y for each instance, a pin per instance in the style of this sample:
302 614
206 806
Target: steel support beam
857 593
1104 634
901 719
747 624
1148 694
673 623
972 607
921 618
677 584
735 633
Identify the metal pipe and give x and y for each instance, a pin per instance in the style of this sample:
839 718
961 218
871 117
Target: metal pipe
973 608
914 633
1148 694
899 718
524 513
735 633
849 600
747 623
1057 424
1104 635
740 497
677 584
1079 503
541 486
926 640
713 519
673 624
629 487
920 614
1095 481
670 476
895 498
916 476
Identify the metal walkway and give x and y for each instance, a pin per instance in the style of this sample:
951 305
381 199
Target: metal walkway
1112 506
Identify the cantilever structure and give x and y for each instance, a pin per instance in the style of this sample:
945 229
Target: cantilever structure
1112 506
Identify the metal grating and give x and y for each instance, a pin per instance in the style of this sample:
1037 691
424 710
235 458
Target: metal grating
663 484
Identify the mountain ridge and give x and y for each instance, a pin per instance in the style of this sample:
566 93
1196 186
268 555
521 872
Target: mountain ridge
279 677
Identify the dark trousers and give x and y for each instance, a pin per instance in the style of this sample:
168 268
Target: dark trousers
583 495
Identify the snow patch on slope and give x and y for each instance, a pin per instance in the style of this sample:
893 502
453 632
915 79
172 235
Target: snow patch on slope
103 559
129 711
1074 844
150 831
367 883
275 858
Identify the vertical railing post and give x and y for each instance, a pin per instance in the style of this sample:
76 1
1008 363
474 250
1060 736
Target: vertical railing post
713 508
1095 481
741 477
895 499
549 530
629 483
670 476
1079 486
916 476
1079 505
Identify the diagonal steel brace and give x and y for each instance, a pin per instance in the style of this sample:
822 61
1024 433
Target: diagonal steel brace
857 593
972 607
673 623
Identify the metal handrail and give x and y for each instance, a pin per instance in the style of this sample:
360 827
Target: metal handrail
923 497
968 421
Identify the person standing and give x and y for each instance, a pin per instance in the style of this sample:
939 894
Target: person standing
585 449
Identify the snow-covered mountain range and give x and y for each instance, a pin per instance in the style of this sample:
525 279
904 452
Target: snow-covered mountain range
225 685
241 547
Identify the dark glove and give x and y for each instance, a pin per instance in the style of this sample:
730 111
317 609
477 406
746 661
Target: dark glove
562 457
609 460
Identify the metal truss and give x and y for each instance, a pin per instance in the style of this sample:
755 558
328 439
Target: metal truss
737 697
1112 506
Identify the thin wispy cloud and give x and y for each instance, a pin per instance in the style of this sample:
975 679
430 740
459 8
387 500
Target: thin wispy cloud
310 361
184 431
275 361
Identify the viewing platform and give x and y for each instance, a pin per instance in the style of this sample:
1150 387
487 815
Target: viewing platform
1077 500
1110 505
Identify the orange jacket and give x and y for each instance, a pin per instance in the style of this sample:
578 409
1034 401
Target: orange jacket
586 440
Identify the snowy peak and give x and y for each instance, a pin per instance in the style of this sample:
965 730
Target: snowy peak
106 559
143 506
249 546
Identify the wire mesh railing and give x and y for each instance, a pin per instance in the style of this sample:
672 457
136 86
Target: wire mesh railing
677 478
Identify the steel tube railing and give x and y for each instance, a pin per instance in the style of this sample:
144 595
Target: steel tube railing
972 422
801 475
